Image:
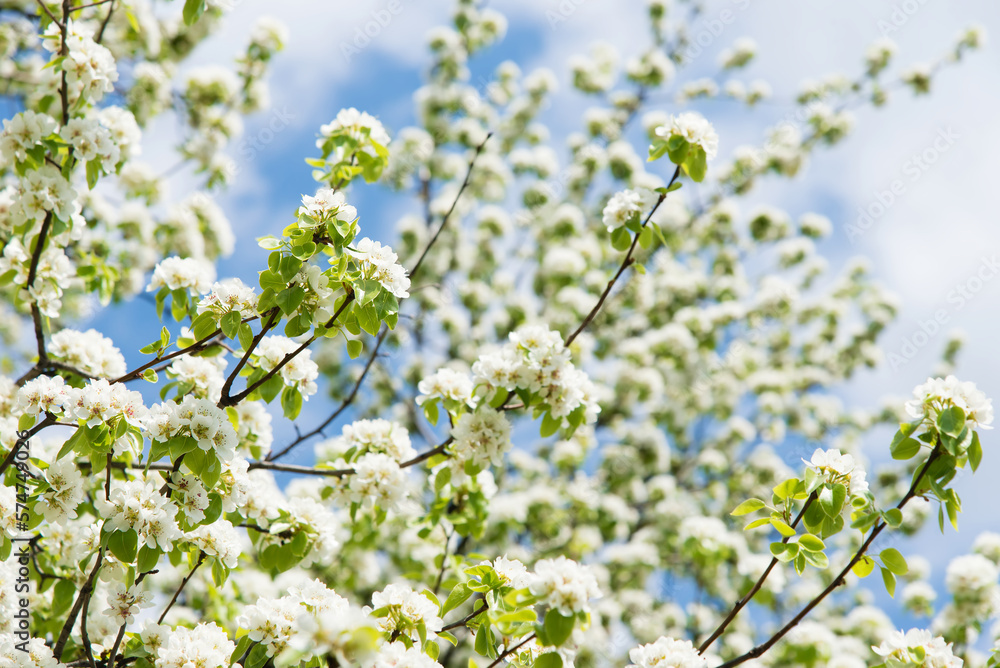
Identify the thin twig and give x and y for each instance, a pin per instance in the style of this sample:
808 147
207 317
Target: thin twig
348 400
840 579
201 558
451 210
626 263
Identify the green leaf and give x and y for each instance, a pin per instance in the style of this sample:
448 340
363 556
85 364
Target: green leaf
148 558
93 173
646 237
747 507
150 375
354 348
289 299
890 582
757 523
894 561
863 567
230 324
975 452
621 239
784 552
258 655
550 425
73 444
246 335
905 448
782 527
786 489
368 319
123 544
25 422
557 627
291 402
893 517
951 421
431 412
696 164
811 543
832 498
548 660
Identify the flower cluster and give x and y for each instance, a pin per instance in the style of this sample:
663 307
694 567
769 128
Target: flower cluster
229 296
667 653
91 352
623 208
564 585
90 68
203 645
378 262
837 467
360 126
451 386
402 610
198 418
536 361
22 133
368 436
138 505
99 402
327 205
692 128
917 648
480 438
937 394
300 372
176 273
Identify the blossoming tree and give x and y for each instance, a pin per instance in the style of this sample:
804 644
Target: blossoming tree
600 359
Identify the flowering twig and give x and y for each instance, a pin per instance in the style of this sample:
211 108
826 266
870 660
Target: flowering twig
271 315
465 620
839 580
81 598
451 210
511 650
626 263
201 558
757 585
348 400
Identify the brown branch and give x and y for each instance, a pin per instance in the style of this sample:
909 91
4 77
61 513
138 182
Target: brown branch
451 210
840 579
85 592
513 649
338 473
348 400
36 314
271 315
462 622
201 558
626 263
23 438
757 585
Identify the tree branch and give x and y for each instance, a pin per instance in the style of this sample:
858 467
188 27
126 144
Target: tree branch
451 210
839 580
626 263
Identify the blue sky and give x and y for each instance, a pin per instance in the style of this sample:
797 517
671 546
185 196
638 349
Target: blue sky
929 242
